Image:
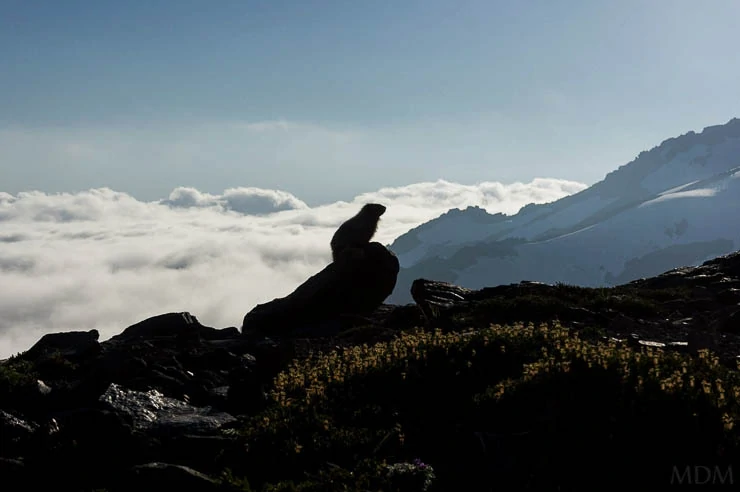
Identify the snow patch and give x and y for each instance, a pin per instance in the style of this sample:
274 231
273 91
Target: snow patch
695 164
698 193
568 217
678 188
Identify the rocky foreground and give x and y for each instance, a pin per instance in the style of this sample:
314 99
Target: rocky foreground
172 404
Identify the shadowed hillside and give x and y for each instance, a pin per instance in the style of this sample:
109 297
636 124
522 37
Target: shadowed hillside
518 387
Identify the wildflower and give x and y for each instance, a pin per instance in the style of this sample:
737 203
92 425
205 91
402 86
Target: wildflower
410 476
728 421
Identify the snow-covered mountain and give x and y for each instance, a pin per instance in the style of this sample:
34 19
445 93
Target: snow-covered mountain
676 204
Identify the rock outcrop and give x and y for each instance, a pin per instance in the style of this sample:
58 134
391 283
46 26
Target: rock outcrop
160 404
354 285
686 308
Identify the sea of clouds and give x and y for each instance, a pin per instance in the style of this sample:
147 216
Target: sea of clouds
103 259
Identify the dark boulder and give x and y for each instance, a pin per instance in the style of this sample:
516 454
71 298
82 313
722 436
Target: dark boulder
157 414
179 325
356 284
156 477
71 344
14 475
14 434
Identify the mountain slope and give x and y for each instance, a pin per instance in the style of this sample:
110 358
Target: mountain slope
673 205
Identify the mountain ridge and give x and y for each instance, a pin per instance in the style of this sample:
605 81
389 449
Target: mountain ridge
690 166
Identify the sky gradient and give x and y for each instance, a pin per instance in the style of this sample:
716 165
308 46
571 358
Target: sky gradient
329 99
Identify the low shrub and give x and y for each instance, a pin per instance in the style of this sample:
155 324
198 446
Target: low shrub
520 406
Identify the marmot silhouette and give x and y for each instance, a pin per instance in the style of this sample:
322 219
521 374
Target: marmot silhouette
357 231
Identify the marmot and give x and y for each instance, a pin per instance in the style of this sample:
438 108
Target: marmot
358 230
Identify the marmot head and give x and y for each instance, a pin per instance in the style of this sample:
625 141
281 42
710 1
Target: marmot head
373 209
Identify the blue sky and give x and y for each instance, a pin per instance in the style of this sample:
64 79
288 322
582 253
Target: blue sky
328 99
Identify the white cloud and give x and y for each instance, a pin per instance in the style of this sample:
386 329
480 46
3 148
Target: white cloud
102 259
245 200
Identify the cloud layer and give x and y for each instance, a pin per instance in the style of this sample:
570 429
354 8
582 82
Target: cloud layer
102 259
